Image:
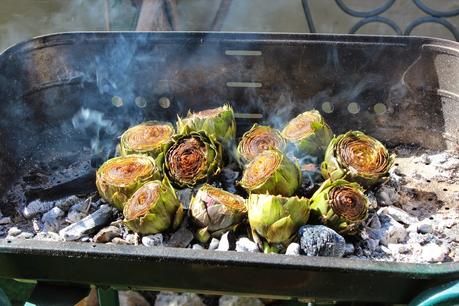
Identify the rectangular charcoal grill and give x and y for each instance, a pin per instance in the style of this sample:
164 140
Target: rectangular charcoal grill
402 90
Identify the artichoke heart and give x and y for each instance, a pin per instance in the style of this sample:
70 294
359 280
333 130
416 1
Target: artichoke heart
271 172
153 208
258 139
357 157
277 218
118 178
309 133
215 211
216 122
340 205
146 138
192 158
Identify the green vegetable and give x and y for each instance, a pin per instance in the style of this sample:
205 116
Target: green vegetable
258 139
357 157
153 208
146 138
271 172
309 133
118 178
217 122
191 158
215 211
276 218
340 205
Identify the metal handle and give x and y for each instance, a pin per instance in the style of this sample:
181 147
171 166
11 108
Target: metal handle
447 294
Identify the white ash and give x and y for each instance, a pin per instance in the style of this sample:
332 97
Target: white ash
197 247
293 249
132 239
14 231
244 244
397 214
213 245
349 249
225 244
78 211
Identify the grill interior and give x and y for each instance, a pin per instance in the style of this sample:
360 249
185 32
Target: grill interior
67 97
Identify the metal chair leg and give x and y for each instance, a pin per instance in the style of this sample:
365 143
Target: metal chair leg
108 297
447 294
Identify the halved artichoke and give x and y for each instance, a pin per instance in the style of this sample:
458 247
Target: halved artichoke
309 133
357 157
271 172
276 218
191 158
217 122
340 205
146 138
153 208
118 178
258 139
215 211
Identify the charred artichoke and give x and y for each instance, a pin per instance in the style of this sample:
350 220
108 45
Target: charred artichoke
191 158
340 205
146 138
153 208
276 218
271 172
357 157
309 133
118 178
217 122
215 211
258 139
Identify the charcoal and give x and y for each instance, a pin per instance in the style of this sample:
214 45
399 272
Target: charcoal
391 230
37 207
229 300
153 240
349 249
107 234
5 220
181 238
178 299
67 203
319 240
88 224
132 239
398 214
25 235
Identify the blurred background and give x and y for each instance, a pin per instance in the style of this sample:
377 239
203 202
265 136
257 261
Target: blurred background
23 19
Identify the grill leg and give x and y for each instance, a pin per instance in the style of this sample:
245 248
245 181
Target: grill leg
108 297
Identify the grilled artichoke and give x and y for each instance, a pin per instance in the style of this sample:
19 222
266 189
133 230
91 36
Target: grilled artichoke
118 178
258 139
357 157
340 205
146 138
271 172
153 208
191 158
276 218
309 133
217 122
215 211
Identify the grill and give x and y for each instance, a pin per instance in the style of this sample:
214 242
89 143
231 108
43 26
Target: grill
402 90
